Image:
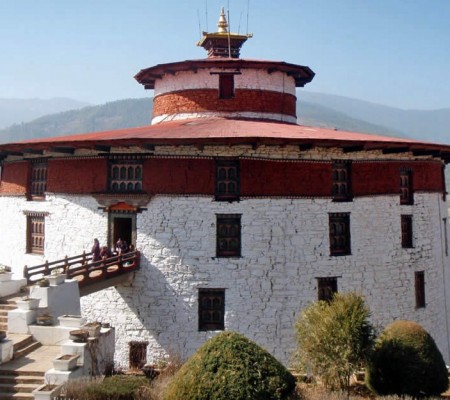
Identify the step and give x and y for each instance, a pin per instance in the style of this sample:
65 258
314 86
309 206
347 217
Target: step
26 341
17 373
23 351
7 307
3 318
16 396
3 327
28 379
18 387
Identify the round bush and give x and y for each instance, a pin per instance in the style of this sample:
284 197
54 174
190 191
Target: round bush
406 361
230 366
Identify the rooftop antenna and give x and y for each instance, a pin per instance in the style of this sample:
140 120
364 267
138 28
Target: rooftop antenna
239 26
199 23
229 30
248 12
206 15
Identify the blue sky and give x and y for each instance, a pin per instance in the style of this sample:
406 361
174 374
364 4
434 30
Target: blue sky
393 52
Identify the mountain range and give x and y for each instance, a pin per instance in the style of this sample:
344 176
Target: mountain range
314 109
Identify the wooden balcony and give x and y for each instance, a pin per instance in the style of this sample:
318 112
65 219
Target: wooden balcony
91 276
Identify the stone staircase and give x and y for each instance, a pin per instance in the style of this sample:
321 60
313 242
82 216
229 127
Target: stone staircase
18 385
4 308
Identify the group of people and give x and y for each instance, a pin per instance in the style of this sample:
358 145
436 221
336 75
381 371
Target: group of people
103 252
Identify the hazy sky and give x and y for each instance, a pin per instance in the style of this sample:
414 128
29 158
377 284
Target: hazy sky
393 52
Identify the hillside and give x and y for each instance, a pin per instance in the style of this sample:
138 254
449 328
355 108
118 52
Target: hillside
115 115
430 125
136 112
14 111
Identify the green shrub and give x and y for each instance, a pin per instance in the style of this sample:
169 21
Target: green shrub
230 366
335 339
118 387
407 361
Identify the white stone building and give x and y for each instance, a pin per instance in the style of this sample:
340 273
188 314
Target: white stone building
241 217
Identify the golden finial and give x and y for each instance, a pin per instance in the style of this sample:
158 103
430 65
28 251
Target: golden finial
222 24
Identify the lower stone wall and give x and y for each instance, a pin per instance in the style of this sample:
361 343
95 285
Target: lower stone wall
285 248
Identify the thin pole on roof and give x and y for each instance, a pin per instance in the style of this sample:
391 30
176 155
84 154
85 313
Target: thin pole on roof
248 12
206 15
229 30
199 23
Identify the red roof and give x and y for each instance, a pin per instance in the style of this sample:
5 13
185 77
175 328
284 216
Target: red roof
221 131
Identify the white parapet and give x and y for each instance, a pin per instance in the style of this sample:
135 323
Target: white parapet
59 299
19 320
11 286
6 350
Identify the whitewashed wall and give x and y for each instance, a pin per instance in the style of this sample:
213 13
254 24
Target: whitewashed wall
203 79
285 247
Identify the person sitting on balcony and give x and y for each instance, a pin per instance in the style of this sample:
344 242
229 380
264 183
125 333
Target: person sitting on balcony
95 251
121 246
105 253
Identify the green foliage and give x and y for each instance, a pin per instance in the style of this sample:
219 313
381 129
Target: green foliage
406 360
118 387
335 339
230 366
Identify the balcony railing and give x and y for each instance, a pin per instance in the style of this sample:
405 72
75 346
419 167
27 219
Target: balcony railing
83 269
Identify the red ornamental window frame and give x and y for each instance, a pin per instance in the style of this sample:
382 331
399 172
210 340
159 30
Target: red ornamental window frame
326 288
339 230
38 180
227 185
341 188
406 187
35 234
125 176
228 235
407 231
419 286
211 309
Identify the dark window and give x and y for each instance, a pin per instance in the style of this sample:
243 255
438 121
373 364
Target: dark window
406 187
226 86
339 226
228 235
35 234
38 179
211 309
407 231
227 180
125 176
138 354
419 283
341 181
326 288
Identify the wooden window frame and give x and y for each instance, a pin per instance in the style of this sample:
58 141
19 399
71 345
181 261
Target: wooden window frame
326 288
211 314
406 187
38 179
226 86
341 188
419 287
35 234
227 178
125 176
137 356
228 235
407 231
340 238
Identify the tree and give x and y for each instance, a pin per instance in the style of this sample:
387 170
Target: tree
406 361
230 366
335 338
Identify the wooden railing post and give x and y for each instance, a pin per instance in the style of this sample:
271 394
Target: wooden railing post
84 257
66 264
46 268
25 273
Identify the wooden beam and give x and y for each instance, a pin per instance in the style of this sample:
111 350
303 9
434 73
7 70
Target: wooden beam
394 150
148 146
65 150
33 151
305 146
351 149
99 147
424 152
